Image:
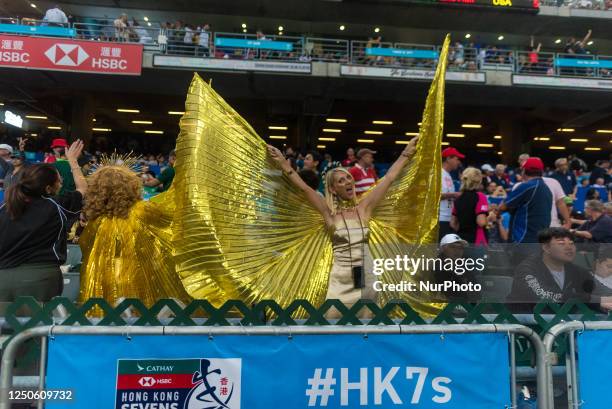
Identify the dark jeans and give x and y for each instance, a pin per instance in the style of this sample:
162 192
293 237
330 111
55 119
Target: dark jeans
42 281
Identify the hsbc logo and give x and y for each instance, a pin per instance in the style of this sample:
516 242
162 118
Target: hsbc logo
146 381
70 55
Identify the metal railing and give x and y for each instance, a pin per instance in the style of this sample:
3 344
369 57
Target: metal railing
534 63
132 34
326 49
45 332
195 43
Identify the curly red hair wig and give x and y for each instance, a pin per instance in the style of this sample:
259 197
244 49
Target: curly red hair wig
112 192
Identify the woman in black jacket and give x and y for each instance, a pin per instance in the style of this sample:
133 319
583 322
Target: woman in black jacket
34 222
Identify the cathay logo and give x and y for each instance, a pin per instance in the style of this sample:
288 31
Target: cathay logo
70 55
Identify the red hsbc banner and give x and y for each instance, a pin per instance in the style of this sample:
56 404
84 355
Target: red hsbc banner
62 54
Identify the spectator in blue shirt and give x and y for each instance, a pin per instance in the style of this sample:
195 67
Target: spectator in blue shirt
529 204
565 177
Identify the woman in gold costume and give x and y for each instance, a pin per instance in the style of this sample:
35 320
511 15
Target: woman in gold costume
347 220
127 242
234 226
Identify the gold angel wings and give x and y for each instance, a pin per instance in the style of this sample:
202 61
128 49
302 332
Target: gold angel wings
242 230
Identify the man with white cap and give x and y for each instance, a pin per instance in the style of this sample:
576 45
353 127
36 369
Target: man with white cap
453 247
487 171
6 167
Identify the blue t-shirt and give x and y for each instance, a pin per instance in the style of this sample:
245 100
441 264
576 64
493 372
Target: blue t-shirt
566 180
529 204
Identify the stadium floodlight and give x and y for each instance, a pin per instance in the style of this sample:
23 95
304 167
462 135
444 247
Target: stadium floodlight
382 122
484 145
176 112
377 30
500 38
565 130
327 139
590 42
277 137
477 126
558 41
373 132
244 25
154 132
320 146
497 137
33 5
365 140
542 138
281 28
499 153
604 131
146 18
244 30
35 117
336 120
149 23
402 142
342 27
101 129
411 134
579 140
277 128
332 130
143 122
128 110
455 135
445 143
591 148
468 35
556 148
54 127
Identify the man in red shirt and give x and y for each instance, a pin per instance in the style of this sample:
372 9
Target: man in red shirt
58 145
363 172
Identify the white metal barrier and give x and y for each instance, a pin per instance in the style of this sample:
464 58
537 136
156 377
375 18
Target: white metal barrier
44 332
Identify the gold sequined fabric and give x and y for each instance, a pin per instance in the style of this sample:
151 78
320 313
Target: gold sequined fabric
232 226
242 230
406 222
130 257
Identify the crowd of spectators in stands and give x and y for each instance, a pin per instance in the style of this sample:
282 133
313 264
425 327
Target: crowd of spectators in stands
182 38
541 214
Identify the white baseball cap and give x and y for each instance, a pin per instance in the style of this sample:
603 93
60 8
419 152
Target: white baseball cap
6 147
487 168
452 238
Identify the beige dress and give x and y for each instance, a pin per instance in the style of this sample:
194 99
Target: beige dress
341 285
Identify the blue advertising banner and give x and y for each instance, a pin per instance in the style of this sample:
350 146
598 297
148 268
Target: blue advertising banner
594 369
257 44
400 52
578 63
38 30
454 371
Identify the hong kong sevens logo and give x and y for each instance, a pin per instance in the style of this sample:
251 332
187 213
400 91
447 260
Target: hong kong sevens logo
70 55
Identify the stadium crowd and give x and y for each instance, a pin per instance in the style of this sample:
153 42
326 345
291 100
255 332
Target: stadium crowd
480 207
